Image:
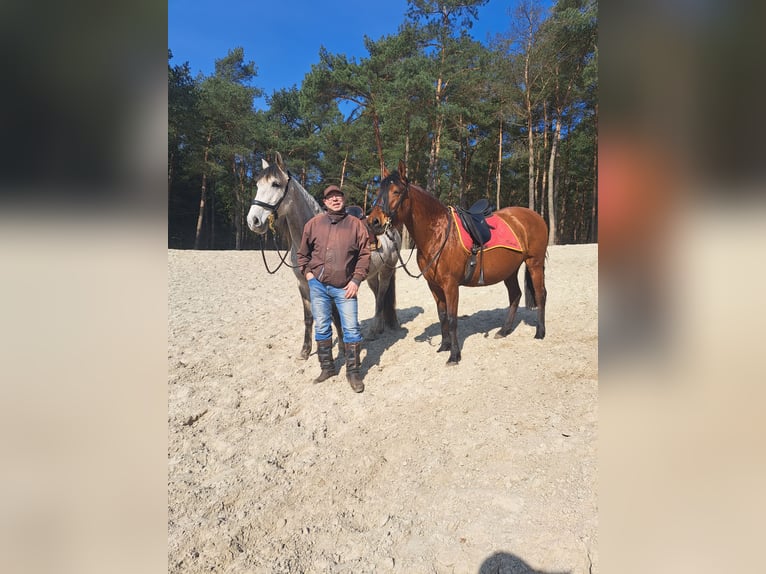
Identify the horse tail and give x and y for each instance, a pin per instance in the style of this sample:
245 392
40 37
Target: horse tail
529 290
389 304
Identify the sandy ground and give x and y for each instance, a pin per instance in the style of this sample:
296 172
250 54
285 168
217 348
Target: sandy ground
489 466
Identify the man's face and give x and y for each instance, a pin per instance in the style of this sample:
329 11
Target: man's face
334 201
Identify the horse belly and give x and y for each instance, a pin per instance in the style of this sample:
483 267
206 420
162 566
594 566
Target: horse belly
494 266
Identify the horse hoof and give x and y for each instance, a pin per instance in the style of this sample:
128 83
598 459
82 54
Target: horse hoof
305 354
442 348
452 362
500 335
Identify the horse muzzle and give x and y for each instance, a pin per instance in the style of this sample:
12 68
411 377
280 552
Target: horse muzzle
379 222
258 220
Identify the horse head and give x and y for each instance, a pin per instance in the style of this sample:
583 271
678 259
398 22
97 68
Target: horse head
271 188
393 191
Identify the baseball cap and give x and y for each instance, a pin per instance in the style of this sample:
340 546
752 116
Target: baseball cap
331 189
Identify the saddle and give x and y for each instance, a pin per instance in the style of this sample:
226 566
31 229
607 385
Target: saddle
358 212
474 219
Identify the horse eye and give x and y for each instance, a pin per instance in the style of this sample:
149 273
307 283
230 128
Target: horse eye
275 184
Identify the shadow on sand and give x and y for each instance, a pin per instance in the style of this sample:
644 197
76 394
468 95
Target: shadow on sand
376 347
486 322
506 563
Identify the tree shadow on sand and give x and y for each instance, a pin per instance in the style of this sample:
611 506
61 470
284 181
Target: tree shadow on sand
485 322
376 347
506 563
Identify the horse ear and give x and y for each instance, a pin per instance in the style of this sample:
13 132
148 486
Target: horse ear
264 163
385 173
402 169
280 163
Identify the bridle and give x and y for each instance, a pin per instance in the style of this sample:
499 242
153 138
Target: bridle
382 199
273 207
391 212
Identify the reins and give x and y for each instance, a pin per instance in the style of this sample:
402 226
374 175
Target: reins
283 258
273 207
434 258
396 246
391 211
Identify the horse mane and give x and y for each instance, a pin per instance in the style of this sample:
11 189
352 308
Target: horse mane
307 197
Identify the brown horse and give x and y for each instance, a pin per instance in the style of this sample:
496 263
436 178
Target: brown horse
443 260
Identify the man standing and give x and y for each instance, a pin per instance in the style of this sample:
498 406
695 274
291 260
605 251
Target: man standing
334 256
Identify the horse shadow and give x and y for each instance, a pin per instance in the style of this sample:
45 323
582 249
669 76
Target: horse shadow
505 563
486 322
377 346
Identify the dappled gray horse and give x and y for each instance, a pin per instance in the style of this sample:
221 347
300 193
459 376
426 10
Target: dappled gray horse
283 200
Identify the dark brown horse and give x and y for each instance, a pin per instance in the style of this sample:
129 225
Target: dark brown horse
443 259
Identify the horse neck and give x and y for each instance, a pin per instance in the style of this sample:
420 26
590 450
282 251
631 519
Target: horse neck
297 209
426 210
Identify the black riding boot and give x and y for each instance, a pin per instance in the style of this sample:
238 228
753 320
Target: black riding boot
352 366
324 352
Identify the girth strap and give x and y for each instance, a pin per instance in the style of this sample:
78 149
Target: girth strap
474 219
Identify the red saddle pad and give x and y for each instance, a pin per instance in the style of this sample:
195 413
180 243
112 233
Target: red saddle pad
502 235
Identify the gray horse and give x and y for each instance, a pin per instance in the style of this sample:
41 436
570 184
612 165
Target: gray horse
282 201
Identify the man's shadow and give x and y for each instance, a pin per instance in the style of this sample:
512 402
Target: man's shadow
485 322
376 347
505 563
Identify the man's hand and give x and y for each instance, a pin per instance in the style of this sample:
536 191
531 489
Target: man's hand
351 290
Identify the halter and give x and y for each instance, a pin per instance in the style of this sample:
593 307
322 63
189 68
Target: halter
272 207
390 213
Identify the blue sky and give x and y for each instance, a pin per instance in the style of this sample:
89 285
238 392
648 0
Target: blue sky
283 37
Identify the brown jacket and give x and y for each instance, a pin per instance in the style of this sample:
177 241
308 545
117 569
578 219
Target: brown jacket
335 249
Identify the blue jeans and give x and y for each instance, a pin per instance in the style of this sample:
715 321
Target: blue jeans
322 297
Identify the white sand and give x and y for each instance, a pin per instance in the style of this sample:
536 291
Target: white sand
482 467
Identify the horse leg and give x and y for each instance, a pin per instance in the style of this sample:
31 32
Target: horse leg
441 309
536 271
388 307
377 323
514 297
452 294
308 322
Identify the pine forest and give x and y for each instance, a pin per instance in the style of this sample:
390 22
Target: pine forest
513 120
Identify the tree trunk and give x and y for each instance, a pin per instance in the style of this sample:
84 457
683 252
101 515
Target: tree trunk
530 132
378 141
551 183
434 156
407 144
488 182
203 194
544 182
171 159
343 169
594 207
238 171
211 242
499 164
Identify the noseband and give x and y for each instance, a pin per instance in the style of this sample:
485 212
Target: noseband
272 207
